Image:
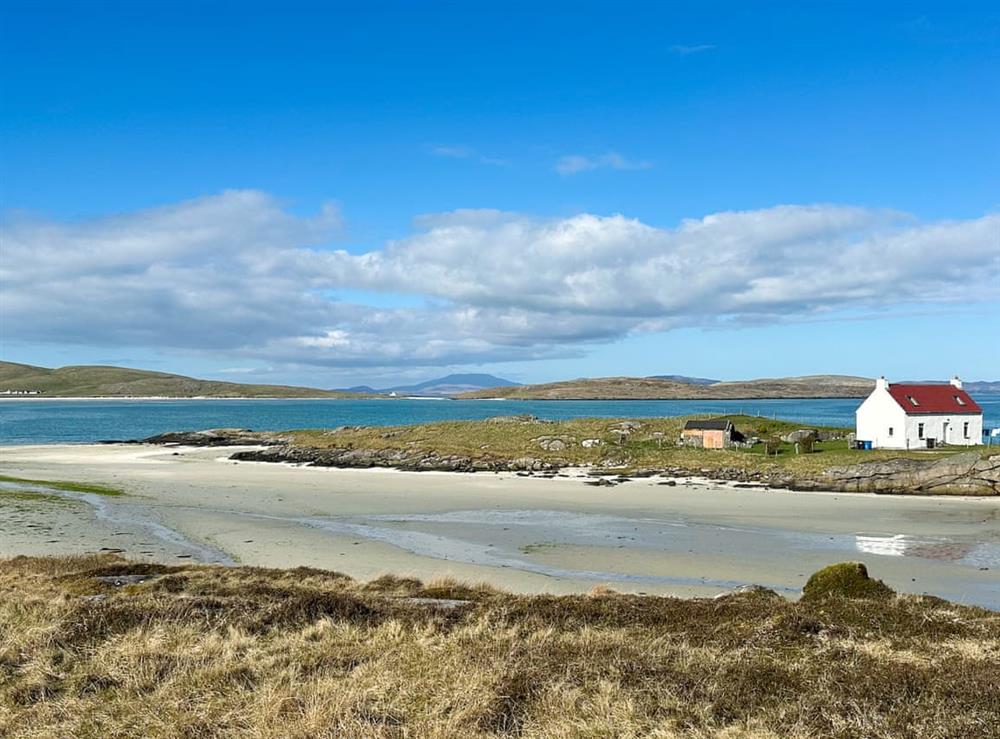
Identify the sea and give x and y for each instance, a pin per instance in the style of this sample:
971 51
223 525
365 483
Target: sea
50 421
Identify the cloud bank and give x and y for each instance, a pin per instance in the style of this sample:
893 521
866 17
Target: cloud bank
237 275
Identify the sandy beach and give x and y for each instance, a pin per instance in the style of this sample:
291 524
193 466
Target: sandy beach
521 533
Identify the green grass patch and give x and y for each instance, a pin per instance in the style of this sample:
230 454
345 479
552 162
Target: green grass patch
30 496
540 546
66 485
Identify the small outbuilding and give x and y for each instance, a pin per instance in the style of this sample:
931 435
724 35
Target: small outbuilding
712 433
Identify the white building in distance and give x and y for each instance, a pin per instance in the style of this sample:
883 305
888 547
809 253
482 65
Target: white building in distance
914 416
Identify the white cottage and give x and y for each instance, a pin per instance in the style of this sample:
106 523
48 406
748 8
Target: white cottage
912 416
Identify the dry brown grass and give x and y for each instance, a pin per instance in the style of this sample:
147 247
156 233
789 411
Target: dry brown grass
213 652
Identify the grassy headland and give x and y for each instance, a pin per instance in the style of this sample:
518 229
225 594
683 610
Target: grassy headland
629 447
651 443
98 381
652 388
88 651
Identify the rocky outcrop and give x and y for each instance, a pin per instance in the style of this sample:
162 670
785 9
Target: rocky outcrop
400 459
626 427
814 434
215 437
965 473
800 435
520 418
554 443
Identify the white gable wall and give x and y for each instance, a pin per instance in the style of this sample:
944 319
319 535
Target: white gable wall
879 413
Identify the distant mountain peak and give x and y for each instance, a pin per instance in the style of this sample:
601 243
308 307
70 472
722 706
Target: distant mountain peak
442 387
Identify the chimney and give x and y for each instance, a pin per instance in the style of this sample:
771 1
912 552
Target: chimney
881 383
956 382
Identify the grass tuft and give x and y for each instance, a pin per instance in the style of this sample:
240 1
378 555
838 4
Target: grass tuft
847 580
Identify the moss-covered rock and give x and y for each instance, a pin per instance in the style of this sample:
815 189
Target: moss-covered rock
847 580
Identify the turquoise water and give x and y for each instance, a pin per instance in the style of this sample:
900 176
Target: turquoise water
80 421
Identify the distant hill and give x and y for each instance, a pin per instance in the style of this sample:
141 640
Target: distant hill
975 386
651 388
441 387
117 382
685 379
981 386
360 389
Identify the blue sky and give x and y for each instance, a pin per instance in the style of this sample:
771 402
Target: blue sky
358 178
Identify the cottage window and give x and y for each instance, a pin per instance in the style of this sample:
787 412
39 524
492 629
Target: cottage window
920 430
959 400
965 429
912 400
890 431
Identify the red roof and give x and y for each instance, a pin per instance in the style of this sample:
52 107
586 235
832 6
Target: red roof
920 399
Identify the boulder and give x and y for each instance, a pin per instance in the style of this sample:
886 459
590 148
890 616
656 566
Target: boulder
119 581
518 418
846 580
799 435
527 464
626 427
213 437
750 591
554 443
588 443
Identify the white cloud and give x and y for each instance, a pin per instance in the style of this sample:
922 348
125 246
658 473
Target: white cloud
461 151
453 151
687 50
236 275
576 163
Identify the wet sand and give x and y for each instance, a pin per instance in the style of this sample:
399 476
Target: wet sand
522 533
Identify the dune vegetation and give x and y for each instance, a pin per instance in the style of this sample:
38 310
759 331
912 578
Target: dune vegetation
94 646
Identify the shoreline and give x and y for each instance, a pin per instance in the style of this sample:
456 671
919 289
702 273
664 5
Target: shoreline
183 397
425 397
581 473
951 472
685 398
526 534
